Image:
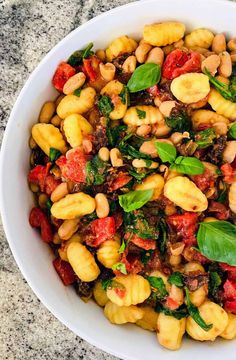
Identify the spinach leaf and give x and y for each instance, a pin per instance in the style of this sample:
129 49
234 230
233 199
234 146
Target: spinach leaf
195 314
214 283
129 151
136 223
166 152
205 138
105 105
135 199
113 133
54 154
188 165
87 51
139 176
180 313
77 92
223 194
122 247
141 114
123 94
76 58
106 283
95 171
158 285
162 238
217 241
176 278
180 122
227 91
145 256
120 267
144 76
232 131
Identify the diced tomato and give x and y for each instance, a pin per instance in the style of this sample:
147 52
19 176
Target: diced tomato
220 211
120 292
185 225
171 303
63 72
101 230
65 271
73 165
230 306
121 180
203 126
229 290
38 219
118 219
180 62
153 90
204 181
228 172
91 67
50 184
132 263
146 244
38 175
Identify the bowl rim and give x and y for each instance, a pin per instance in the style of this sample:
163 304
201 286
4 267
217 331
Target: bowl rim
6 226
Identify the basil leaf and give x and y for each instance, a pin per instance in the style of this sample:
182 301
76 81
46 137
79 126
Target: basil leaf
105 105
135 199
195 314
77 92
122 247
205 138
232 131
180 313
180 122
217 241
158 284
54 154
188 165
166 152
123 95
144 76
176 279
106 283
86 52
120 267
141 114
76 58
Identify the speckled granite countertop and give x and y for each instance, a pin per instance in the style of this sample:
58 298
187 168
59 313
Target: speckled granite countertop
28 30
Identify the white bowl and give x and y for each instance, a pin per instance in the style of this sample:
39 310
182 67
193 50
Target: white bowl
32 255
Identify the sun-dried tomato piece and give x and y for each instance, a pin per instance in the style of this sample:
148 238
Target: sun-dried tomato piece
38 175
38 219
65 271
204 181
220 211
185 225
121 180
180 62
63 72
229 290
146 244
100 230
91 67
73 165
153 90
50 184
228 172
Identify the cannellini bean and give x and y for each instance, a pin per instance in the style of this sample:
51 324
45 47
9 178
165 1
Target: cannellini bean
198 296
230 151
42 200
140 163
149 148
232 197
68 228
157 101
116 157
176 294
170 209
34 188
155 56
74 82
177 137
193 266
177 248
56 239
101 54
32 143
225 68
166 107
60 191
47 112
175 260
107 71
220 128
179 44
211 63
142 51
209 219
143 130
56 120
232 44
104 154
218 43
129 64
102 205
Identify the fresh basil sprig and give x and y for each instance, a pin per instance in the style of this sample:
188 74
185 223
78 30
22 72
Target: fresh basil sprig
195 314
183 164
135 199
176 278
217 241
144 76
232 131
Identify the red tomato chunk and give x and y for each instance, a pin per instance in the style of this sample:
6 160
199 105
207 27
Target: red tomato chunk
204 181
73 165
38 219
230 290
230 306
185 225
65 271
63 72
100 231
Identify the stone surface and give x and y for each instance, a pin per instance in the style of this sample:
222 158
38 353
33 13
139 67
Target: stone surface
28 30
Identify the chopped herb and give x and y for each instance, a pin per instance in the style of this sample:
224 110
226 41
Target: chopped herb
120 267
145 256
232 131
162 236
49 205
137 223
106 283
195 314
77 92
214 283
139 176
76 58
90 217
87 51
122 247
141 114
227 91
123 94
54 154
180 122
176 279
114 133
205 138
95 171
129 151
223 194
180 313
105 105
158 285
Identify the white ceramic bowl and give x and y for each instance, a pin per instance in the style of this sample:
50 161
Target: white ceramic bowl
32 255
